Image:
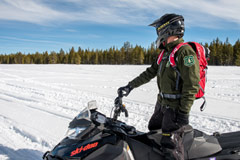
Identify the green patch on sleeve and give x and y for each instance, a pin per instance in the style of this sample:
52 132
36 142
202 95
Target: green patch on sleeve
189 61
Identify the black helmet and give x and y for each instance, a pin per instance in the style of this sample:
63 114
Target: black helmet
168 25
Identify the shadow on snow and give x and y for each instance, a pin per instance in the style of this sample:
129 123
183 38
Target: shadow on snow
21 154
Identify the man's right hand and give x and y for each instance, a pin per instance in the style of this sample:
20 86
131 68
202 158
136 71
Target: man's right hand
124 91
182 118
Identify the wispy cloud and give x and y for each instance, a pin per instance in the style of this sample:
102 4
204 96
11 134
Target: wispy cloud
28 11
33 40
71 30
214 14
139 12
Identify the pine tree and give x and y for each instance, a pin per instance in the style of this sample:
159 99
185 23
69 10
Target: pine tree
27 59
1 59
138 55
122 56
45 58
65 58
212 48
227 53
237 60
61 56
53 58
219 53
80 53
95 57
140 59
37 58
127 50
110 56
105 57
236 55
100 57
77 59
18 58
71 56
88 56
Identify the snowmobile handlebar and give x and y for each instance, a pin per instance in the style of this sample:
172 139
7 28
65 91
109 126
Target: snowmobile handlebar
119 107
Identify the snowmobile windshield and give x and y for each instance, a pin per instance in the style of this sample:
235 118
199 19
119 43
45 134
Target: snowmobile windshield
81 122
74 132
85 113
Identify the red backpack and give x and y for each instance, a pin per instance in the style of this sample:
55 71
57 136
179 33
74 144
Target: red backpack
203 55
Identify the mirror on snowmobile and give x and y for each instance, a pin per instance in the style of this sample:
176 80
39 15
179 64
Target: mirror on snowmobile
92 105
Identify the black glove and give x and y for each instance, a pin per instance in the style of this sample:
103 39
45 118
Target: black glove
182 118
124 91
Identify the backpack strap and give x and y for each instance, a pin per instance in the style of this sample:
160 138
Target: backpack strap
170 96
160 56
172 55
198 50
173 63
202 107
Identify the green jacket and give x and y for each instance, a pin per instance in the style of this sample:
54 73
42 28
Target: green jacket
188 66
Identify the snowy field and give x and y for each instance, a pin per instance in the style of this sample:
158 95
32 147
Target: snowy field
38 101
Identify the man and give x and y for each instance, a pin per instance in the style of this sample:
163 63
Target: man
177 87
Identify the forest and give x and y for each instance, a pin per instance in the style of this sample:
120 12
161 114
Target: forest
222 53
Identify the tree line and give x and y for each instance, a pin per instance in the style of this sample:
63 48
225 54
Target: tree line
222 53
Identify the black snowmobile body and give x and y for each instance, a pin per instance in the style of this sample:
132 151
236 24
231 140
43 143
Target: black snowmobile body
97 137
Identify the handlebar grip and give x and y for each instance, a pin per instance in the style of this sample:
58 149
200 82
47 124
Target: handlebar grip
119 107
124 94
120 93
126 113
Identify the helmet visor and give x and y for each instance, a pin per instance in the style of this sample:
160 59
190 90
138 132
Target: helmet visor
176 23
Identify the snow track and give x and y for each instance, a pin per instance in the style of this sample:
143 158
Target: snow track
38 101
17 143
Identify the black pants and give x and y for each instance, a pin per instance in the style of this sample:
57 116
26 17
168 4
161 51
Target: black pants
165 118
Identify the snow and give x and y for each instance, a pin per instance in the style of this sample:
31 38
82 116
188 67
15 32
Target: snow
38 101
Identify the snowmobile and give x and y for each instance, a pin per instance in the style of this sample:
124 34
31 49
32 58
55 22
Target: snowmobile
93 136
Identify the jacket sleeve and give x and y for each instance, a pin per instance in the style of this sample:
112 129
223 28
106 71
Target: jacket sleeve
188 66
145 76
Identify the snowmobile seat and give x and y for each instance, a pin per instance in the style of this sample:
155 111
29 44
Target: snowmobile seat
198 144
156 135
187 129
229 140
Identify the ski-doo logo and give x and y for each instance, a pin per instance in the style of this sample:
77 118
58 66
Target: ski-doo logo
84 148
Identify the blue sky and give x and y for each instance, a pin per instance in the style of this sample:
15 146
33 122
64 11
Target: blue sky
49 25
